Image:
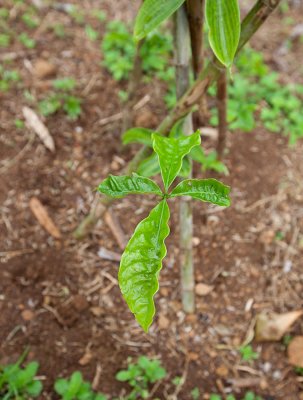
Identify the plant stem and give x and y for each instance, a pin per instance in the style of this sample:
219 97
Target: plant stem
133 85
251 23
182 37
222 113
195 12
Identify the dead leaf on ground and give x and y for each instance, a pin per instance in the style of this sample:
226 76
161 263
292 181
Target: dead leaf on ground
272 326
34 123
295 352
44 219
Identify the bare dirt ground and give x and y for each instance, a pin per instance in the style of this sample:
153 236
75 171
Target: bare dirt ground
61 299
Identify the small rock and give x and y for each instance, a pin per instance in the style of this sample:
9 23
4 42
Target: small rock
196 241
27 315
267 237
80 303
222 371
44 69
163 322
203 290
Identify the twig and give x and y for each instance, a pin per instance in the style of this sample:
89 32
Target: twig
115 227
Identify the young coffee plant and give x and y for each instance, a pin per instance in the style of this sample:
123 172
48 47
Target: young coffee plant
141 261
17 383
140 375
76 388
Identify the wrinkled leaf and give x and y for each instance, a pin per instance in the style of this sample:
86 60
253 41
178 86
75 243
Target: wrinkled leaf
223 19
171 153
209 190
120 186
273 326
141 263
152 13
138 135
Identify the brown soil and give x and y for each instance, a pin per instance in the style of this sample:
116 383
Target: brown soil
62 300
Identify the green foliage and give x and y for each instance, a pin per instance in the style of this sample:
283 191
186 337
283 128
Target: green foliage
19 383
99 14
171 152
4 12
209 190
141 261
150 166
254 85
27 41
119 50
8 78
76 388
121 186
30 20
247 396
59 30
19 124
152 13
195 394
4 39
223 20
61 99
91 33
248 354
140 375
299 371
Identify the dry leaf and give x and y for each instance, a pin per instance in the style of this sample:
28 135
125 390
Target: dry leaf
203 290
42 216
272 327
295 351
34 123
86 358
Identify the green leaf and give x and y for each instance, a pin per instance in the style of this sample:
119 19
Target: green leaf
34 388
120 186
223 19
138 135
61 386
209 190
141 263
152 13
171 153
149 166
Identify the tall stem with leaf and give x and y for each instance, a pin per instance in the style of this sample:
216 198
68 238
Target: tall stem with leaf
182 37
222 113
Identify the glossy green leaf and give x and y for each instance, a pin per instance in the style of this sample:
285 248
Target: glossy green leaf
223 19
141 263
152 13
120 186
138 135
209 190
171 153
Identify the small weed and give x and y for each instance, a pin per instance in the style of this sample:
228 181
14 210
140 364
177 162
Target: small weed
59 30
99 14
30 20
247 396
64 84
7 78
140 375
19 383
248 354
4 13
19 124
76 388
255 84
26 41
4 40
91 33
299 371
195 394
77 15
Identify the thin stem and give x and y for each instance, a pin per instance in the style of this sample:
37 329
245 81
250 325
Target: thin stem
182 36
195 12
222 113
133 85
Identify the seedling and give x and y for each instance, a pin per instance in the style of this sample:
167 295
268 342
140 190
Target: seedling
141 261
61 99
7 78
19 383
27 41
4 40
76 388
30 20
247 396
140 375
91 33
195 394
248 354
